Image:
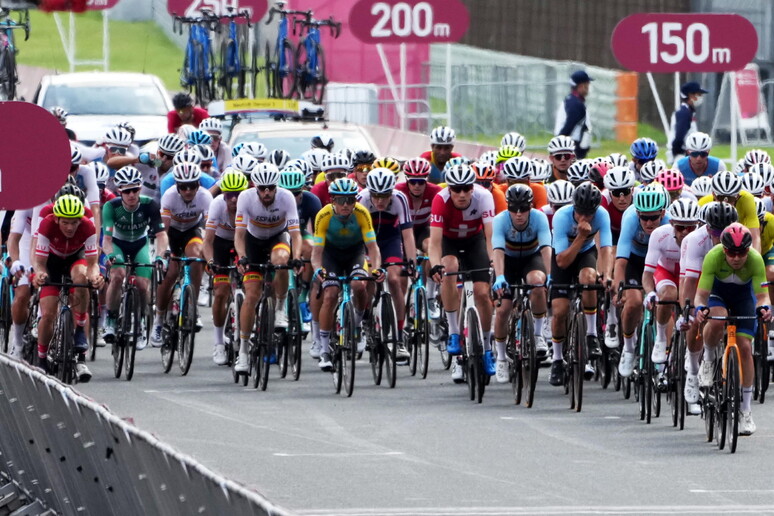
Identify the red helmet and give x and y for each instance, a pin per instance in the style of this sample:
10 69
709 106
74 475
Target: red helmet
670 179
484 172
598 172
736 238
416 168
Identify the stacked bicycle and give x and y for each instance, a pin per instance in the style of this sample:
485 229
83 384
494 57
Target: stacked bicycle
9 75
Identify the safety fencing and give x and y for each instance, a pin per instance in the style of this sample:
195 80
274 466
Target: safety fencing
65 453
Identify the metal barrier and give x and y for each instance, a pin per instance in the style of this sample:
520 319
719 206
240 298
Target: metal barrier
67 454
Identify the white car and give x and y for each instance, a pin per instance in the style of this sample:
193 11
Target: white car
97 101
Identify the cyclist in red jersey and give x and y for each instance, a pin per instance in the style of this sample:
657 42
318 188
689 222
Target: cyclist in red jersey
335 167
617 196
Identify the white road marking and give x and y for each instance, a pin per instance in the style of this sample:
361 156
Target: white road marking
574 509
339 454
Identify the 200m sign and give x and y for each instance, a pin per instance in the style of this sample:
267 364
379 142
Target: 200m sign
407 21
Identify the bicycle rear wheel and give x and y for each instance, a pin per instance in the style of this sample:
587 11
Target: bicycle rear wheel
93 323
254 70
677 382
10 74
389 338
133 328
226 73
186 329
760 358
294 335
529 364
285 75
321 78
475 349
241 72
119 350
578 360
349 350
648 372
442 332
65 359
265 333
421 333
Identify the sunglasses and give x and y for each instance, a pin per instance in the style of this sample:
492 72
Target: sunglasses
417 182
117 150
484 183
461 188
165 155
697 154
563 157
187 187
341 201
297 192
650 218
230 196
362 168
731 199
620 192
130 190
382 197
332 176
681 228
205 166
215 137
522 208
735 254
263 188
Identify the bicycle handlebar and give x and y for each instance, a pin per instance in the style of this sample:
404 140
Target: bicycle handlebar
466 273
578 286
66 284
5 16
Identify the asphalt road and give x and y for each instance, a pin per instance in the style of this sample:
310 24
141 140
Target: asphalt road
424 448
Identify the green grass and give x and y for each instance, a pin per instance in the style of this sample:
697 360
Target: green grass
134 46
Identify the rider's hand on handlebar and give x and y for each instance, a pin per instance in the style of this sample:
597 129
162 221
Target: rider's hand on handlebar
651 298
701 313
436 272
764 312
500 285
379 274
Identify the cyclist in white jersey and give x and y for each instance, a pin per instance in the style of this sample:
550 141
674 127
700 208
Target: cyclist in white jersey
86 180
19 240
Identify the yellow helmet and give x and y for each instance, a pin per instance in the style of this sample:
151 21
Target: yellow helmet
387 163
233 181
69 207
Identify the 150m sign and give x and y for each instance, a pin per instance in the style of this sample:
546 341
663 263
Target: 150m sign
666 43
407 21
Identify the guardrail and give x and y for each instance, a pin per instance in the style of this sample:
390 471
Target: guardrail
68 454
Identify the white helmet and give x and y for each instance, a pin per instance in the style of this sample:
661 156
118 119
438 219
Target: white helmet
244 163
191 155
335 161
118 136
618 159
766 171
488 158
186 172
255 149
205 151
171 144
579 171
760 208
265 174
618 178
756 156
753 183
740 167
314 157
514 139
698 142
561 143
279 157
460 175
380 181
649 170
518 169
101 171
59 113
684 210
726 183
127 176
211 124
702 186
442 135
75 154
541 170
303 166
560 192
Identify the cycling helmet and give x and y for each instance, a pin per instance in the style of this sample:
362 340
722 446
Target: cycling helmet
69 207
60 114
560 192
518 169
650 198
244 163
118 136
541 170
650 170
279 157
186 173
684 210
211 124
760 208
182 100
236 149
302 165
442 136
363 157
618 178
514 140
206 152
753 183
519 195
75 154
644 149
618 160
586 198
417 168
460 175
380 181
726 183
322 141
507 152
129 127
698 142
191 155
454 162
718 215
484 172
598 171
335 162
561 143
740 168
127 176
671 179
766 172
315 157
343 186
702 186
101 171
71 189
265 174
736 238
199 137
756 156
292 178
256 150
388 163
489 157
171 144
233 181
578 171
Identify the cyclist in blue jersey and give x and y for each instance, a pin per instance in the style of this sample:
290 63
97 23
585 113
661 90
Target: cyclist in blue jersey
168 181
575 260
521 240
698 162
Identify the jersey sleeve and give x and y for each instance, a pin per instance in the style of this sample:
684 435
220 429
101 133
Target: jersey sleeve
745 207
487 207
437 212
107 218
155 224
90 182
539 195
499 230
363 217
500 205
166 205
242 211
321 223
291 213
404 214
562 230
628 230
759 273
543 231
43 247
605 233
709 268
653 254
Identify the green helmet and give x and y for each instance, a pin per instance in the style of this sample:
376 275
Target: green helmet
650 198
292 178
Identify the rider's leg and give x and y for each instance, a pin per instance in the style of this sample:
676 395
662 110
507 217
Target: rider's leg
538 301
449 293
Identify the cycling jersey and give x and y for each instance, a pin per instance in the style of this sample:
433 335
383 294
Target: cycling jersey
462 223
498 197
105 196
566 229
46 210
694 248
150 181
745 208
168 181
51 240
684 166
262 221
320 190
548 210
615 214
716 269
331 229
131 226
21 224
185 215
436 173
663 251
767 232
420 207
520 243
633 239
308 209
539 194
389 223
86 179
219 220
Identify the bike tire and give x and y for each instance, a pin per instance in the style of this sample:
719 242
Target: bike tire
265 333
721 412
282 353
285 76
443 333
374 345
8 60
254 69
514 352
133 327
733 388
295 336
474 345
199 75
187 329
225 77
321 78
530 365
680 407
409 329
93 323
66 359
422 333
760 358
5 314
118 351
349 350
268 67
578 360
241 73
648 370
389 339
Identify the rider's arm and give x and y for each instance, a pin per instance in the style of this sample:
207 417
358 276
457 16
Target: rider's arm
209 239
13 245
409 246
297 243
756 235
119 161
648 283
499 262
488 236
436 235
316 258
162 242
374 256
239 242
567 257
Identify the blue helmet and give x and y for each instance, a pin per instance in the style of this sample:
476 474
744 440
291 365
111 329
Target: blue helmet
343 186
644 148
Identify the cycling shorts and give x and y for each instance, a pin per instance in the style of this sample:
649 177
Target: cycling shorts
635 266
259 250
471 254
59 269
516 269
768 258
738 300
137 251
586 259
664 278
421 233
342 261
179 240
391 250
223 252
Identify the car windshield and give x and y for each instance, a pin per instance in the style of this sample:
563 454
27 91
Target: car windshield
124 99
296 145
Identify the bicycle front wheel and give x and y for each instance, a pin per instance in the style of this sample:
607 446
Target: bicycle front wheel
421 354
375 350
348 347
5 314
294 335
93 323
186 329
732 387
514 352
133 328
578 360
65 362
285 71
265 334
389 339
475 343
10 74
529 364
677 382
760 358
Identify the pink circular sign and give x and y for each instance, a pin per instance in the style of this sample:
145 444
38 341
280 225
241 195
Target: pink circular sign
409 21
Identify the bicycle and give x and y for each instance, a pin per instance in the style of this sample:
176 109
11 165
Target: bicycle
198 75
520 345
233 54
311 78
760 359
30 346
607 372
94 316
439 334
381 330
280 65
418 322
179 328
291 339
676 370
9 75
626 383
6 302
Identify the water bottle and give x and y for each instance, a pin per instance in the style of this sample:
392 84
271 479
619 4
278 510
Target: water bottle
176 302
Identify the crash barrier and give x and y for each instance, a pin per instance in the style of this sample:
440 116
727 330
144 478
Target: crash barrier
65 453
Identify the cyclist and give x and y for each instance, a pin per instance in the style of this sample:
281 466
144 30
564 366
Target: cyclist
392 223
19 240
731 278
62 115
184 113
66 247
219 252
267 230
579 172
701 186
519 170
102 174
442 140
183 212
209 164
683 121
638 223
117 143
559 194
222 150
256 150
129 219
755 156
363 161
154 165
672 180
243 163
86 179
205 180
343 234
279 158
461 239
514 139
727 187
485 176
322 141
598 170
643 150
335 167
698 162
521 241
766 219
561 153
649 171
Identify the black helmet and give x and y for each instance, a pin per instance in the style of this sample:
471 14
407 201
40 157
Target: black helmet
519 195
182 100
586 198
363 157
322 141
71 189
719 215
